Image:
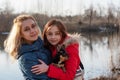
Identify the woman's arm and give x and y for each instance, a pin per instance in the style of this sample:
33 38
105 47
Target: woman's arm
26 61
70 65
40 68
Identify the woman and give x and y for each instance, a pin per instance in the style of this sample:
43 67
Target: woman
24 43
55 34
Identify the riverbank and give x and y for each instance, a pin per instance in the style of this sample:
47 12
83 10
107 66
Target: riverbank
107 78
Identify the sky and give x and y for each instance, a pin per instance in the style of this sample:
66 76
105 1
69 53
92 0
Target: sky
57 7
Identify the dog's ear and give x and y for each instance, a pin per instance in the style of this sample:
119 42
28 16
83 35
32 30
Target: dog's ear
63 46
58 48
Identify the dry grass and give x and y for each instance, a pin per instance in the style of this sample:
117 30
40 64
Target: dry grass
107 78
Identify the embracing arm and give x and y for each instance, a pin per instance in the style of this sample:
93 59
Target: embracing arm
26 61
71 65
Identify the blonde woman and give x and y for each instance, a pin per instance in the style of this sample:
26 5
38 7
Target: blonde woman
24 44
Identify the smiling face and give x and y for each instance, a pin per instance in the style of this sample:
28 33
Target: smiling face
29 31
53 35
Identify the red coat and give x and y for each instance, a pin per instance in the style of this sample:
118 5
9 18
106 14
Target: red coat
71 64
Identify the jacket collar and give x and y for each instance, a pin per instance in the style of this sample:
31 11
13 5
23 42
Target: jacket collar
70 39
30 47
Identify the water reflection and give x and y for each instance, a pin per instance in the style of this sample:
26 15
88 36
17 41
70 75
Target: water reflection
99 54
96 62
8 69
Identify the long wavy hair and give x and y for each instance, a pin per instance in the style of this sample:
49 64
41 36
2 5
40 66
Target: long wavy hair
14 40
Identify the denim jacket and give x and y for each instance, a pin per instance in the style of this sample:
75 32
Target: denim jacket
28 56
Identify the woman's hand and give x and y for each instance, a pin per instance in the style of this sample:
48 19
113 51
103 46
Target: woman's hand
40 68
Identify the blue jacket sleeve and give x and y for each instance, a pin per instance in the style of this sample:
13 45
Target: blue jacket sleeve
26 61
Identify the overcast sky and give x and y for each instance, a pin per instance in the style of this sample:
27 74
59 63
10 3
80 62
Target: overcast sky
57 7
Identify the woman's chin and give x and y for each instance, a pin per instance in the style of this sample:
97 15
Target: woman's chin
53 44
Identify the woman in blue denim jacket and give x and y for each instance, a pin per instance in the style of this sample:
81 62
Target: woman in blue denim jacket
29 55
25 45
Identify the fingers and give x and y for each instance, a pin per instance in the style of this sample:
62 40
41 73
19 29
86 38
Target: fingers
35 66
41 61
40 68
36 70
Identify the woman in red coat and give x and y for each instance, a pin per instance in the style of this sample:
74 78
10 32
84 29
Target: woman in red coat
55 34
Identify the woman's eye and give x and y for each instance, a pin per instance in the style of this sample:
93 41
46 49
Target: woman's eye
58 33
26 29
49 34
33 25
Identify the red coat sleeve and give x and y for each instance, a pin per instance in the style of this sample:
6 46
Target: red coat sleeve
71 65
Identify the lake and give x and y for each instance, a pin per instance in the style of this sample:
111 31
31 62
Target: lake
9 70
99 54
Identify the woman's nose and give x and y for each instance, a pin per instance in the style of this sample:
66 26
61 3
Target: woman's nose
53 36
32 30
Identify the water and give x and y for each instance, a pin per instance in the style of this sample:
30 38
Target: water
98 54
96 62
8 69
102 57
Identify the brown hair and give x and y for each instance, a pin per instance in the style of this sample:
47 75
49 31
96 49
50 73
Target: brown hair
49 24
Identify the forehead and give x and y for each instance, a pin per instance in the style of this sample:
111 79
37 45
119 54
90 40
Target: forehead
53 28
27 22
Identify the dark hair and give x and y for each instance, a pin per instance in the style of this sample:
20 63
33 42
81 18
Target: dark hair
54 22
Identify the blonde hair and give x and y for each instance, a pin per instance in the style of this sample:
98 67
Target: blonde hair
14 40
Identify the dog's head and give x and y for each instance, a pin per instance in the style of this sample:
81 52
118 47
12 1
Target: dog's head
62 54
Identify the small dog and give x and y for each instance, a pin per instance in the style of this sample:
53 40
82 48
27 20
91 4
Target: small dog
61 57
